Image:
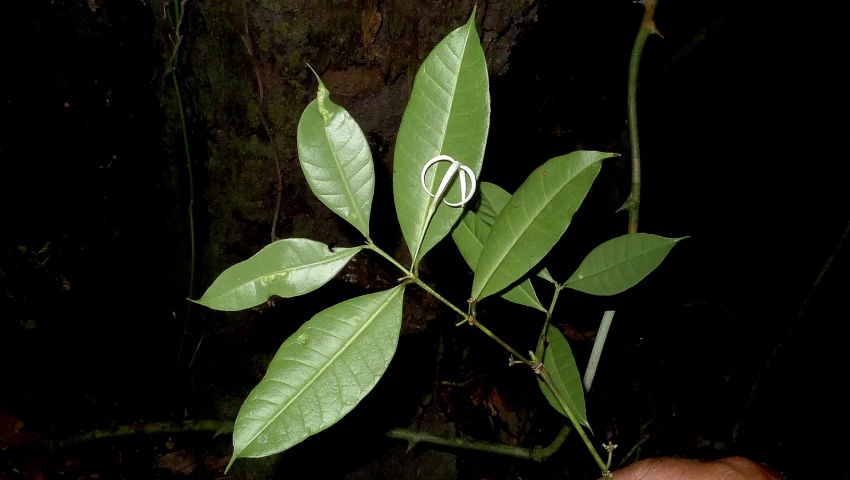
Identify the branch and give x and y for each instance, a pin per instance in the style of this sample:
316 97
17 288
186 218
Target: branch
647 28
246 39
138 429
544 375
537 454
172 62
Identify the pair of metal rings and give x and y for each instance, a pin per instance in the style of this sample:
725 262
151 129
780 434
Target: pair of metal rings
465 173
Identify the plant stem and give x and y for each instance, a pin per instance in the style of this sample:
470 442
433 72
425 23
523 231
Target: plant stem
246 39
191 188
647 28
436 295
465 315
142 428
537 454
548 381
178 20
541 341
414 279
376 249
501 342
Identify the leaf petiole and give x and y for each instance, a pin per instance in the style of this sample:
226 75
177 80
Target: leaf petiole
541 341
466 317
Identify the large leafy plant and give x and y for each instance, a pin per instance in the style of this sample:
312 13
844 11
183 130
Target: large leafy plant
331 363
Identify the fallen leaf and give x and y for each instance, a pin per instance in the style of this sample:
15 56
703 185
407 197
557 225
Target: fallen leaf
179 462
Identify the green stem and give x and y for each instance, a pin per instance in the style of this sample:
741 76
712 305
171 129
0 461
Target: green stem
436 295
538 454
177 21
142 428
410 276
501 342
376 249
413 278
541 342
191 186
647 28
548 381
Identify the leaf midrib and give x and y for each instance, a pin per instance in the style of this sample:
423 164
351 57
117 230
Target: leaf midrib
342 175
332 258
600 272
525 229
325 366
423 228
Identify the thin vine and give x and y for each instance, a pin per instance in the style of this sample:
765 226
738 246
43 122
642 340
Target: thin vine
172 69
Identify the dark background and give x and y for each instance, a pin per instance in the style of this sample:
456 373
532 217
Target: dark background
744 133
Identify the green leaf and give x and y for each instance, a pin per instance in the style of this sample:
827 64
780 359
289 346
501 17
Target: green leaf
286 268
620 263
561 366
448 114
493 200
469 235
336 160
320 373
224 430
524 294
545 275
534 220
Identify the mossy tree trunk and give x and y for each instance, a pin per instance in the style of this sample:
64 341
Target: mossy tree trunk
243 62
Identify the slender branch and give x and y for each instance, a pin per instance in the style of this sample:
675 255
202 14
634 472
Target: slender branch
246 39
377 249
414 279
789 334
424 286
541 340
537 454
474 321
647 28
142 428
467 318
178 20
559 397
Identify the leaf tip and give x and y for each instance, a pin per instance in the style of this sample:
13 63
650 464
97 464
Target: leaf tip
321 98
230 463
321 85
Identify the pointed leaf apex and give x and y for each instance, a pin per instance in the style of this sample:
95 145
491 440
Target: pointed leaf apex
322 99
321 85
230 463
